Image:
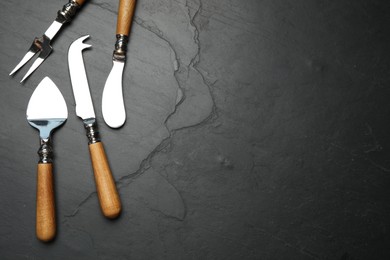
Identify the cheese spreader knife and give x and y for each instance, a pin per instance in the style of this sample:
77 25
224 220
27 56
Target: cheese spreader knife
42 44
46 110
105 185
113 107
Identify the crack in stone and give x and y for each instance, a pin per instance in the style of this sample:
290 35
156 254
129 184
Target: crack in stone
195 62
234 23
156 31
76 210
159 212
104 6
144 165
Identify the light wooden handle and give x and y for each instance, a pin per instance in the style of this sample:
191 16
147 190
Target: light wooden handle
125 16
80 2
45 215
105 185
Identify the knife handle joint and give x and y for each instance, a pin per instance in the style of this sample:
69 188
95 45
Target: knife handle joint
120 47
45 152
68 12
92 130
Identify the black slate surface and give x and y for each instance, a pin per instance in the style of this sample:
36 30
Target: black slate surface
255 130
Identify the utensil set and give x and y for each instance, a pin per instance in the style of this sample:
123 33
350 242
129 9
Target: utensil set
47 111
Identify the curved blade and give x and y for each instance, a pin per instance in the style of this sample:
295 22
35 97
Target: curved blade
113 107
78 76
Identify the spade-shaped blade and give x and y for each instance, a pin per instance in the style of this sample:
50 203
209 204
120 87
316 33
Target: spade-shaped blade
46 109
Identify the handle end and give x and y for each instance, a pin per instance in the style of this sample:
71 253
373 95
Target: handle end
112 212
46 235
110 203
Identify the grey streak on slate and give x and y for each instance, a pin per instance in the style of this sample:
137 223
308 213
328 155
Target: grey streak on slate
255 130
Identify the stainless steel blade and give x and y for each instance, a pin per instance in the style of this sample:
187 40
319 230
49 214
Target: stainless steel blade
113 107
46 108
82 95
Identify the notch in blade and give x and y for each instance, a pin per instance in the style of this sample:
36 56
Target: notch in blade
78 77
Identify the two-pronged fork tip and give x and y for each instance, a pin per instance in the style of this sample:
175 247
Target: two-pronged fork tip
23 79
33 67
24 60
12 72
44 53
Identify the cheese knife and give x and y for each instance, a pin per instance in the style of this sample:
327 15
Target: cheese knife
46 111
105 185
113 107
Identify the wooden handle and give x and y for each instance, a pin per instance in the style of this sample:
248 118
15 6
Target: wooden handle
105 185
45 215
125 16
80 2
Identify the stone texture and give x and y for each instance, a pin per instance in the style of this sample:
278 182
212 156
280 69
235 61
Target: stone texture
255 130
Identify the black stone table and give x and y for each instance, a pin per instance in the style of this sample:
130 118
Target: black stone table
255 130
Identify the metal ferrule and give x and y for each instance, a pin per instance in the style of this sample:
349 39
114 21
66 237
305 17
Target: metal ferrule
120 48
45 151
68 11
92 130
